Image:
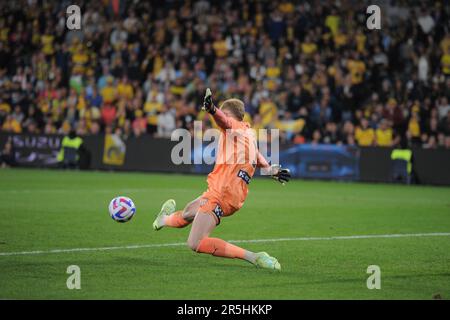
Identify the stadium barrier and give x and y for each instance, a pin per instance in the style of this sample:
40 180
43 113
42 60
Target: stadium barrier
145 153
140 154
429 166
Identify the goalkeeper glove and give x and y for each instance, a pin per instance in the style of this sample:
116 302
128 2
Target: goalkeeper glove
279 174
208 104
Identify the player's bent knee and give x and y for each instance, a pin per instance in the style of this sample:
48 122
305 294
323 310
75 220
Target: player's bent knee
190 211
188 215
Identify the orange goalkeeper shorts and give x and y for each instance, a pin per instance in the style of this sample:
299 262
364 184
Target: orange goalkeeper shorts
219 206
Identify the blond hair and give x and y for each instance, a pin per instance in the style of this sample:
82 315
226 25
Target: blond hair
236 107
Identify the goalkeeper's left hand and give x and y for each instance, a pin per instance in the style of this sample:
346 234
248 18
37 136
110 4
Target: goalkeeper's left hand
279 174
208 104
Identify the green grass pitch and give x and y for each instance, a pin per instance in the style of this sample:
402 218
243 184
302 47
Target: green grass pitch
50 209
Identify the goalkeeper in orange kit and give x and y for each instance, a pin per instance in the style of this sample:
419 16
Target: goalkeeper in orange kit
236 161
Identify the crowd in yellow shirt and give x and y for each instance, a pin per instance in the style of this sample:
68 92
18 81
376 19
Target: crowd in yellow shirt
309 70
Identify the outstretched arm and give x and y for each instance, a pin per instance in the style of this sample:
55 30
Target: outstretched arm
222 120
261 161
275 170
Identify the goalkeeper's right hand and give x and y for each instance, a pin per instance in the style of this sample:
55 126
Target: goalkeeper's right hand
208 104
280 174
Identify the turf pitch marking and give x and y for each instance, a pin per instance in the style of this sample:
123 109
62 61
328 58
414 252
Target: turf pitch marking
177 244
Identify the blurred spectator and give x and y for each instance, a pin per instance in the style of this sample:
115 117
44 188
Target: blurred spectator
11 125
316 137
331 135
384 136
443 107
364 135
68 156
166 122
7 155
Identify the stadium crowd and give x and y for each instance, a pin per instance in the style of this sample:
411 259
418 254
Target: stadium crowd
310 68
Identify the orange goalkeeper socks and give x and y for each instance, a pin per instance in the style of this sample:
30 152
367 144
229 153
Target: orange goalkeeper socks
220 248
176 220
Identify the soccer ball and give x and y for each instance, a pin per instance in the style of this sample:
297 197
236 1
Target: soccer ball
122 209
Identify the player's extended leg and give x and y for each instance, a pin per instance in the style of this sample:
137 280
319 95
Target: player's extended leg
199 241
178 219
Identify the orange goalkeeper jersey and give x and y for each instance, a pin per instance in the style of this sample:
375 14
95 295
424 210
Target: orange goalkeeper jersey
236 161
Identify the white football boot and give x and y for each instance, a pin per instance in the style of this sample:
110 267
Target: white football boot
167 208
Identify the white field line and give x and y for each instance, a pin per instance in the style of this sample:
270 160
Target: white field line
177 244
